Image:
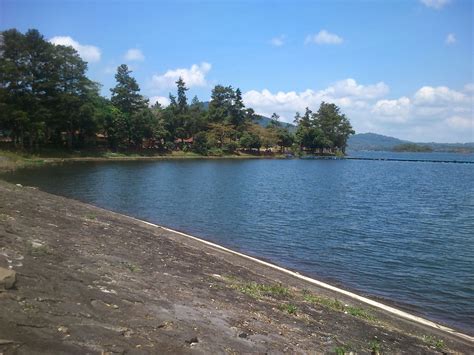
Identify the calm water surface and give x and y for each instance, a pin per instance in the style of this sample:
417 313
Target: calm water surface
403 231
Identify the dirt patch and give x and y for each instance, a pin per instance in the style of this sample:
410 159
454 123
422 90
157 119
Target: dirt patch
92 281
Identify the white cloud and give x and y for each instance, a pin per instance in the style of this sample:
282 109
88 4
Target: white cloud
87 52
345 93
435 4
458 122
278 41
194 76
393 110
450 39
349 87
469 87
429 114
164 101
438 95
134 54
323 37
433 114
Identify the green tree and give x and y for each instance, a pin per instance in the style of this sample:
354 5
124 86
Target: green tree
26 83
127 98
326 130
74 109
197 119
201 144
221 132
237 115
220 106
126 94
284 139
182 103
44 91
275 120
250 140
334 125
113 123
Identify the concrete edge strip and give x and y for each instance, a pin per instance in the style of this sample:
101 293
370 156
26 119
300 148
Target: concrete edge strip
389 309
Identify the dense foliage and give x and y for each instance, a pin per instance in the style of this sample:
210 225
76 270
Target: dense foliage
46 99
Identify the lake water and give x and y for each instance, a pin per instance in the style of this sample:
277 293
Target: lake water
403 231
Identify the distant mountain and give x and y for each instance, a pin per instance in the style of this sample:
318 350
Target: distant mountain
265 121
373 141
205 105
261 120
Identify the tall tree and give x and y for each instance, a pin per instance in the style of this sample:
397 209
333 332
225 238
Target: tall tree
14 86
220 106
237 112
334 125
126 94
127 98
74 111
182 99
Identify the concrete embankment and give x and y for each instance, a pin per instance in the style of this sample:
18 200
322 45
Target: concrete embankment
93 281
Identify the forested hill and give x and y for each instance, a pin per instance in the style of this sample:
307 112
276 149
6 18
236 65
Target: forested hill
266 121
378 142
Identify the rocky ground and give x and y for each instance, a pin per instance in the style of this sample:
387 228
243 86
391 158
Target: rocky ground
92 281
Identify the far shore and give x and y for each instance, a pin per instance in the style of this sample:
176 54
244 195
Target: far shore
91 280
10 160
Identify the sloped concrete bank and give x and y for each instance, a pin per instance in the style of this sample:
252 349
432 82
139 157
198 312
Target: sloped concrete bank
92 281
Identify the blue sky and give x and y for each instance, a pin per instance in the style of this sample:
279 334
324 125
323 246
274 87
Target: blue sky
401 68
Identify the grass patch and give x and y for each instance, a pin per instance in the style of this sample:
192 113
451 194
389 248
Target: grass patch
337 305
434 342
375 347
259 291
28 307
90 216
131 267
36 249
256 290
13 160
343 349
288 308
360 313
327 302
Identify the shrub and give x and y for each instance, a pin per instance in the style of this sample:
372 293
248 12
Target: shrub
230 147
200 144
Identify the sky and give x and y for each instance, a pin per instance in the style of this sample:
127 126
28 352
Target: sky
399 68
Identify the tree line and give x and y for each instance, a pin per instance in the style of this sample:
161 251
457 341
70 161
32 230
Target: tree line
47 100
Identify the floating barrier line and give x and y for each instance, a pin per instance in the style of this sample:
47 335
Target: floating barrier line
388 159
414 160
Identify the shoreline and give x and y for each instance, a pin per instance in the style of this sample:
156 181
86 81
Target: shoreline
10 161
339 290
377 304
404 310
197 289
